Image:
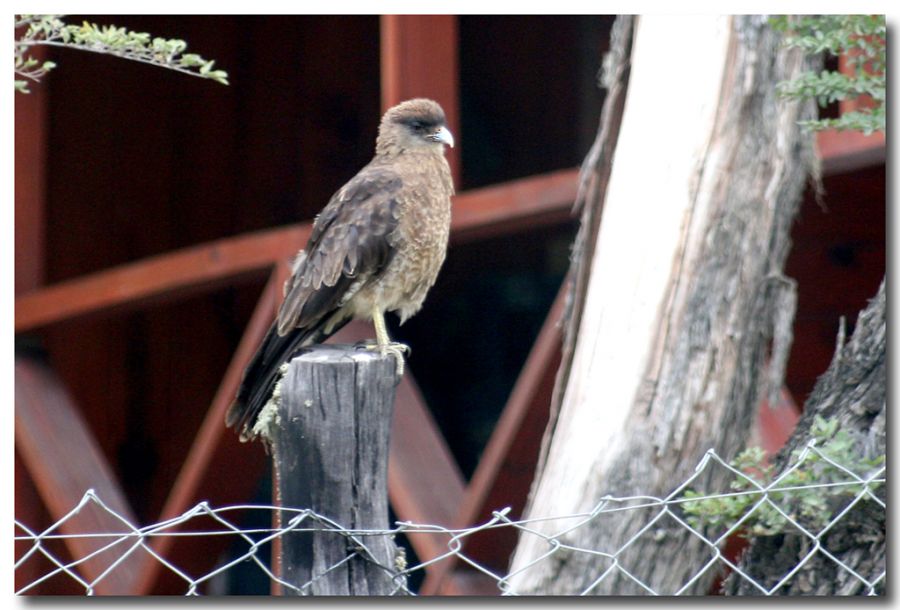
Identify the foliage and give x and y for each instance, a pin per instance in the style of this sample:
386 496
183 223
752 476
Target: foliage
51 30
808 492
861 39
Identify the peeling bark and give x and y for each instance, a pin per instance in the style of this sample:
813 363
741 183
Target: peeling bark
685 304
854 391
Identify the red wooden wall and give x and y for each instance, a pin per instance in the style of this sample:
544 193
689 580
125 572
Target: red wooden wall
117 163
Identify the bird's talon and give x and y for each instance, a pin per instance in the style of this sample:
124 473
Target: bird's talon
397 350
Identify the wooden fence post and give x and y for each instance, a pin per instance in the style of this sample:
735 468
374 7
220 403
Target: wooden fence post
329 432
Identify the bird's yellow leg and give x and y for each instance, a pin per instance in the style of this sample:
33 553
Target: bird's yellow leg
380 330
385 345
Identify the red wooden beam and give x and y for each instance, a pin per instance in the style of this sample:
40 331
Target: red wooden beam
218 468
60 453
419 58
775 423
506 468
424 482
31 510
30 185
845 66
204 266
478 213
501 209
845 151
504 474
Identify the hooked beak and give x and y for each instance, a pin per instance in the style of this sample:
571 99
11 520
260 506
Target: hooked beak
442 135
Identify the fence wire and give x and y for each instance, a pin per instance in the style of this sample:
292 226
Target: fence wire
810 499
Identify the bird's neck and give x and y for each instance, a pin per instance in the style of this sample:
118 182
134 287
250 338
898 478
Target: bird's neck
395 152
431 165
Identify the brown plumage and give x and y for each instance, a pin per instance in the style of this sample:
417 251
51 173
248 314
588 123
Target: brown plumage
376 247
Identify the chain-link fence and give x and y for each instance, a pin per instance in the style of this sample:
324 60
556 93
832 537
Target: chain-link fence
812 498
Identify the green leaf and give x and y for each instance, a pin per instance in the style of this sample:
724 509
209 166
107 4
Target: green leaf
220 76
189 60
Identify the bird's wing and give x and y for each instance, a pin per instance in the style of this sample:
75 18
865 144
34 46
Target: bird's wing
350 242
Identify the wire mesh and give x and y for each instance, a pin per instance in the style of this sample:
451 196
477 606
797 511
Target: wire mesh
810 506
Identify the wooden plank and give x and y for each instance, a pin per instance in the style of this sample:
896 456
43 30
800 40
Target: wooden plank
514 206
505 472
845 151
478 213
135 284
846 67
216 449
419 58
64 461
775 423
506 467
426 483
30 509
30 184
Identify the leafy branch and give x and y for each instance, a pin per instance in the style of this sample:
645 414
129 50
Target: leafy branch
808 493
861 40
52 31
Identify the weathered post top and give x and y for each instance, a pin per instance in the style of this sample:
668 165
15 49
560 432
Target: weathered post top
328 428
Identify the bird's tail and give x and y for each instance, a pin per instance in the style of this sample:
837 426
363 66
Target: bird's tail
262 373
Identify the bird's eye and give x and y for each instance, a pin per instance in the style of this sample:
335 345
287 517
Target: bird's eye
417 125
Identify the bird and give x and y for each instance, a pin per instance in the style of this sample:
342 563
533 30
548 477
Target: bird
376 247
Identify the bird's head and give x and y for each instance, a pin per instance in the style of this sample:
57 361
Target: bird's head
414 125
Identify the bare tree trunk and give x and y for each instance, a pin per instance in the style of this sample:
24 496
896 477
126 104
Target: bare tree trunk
685 303
854 391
